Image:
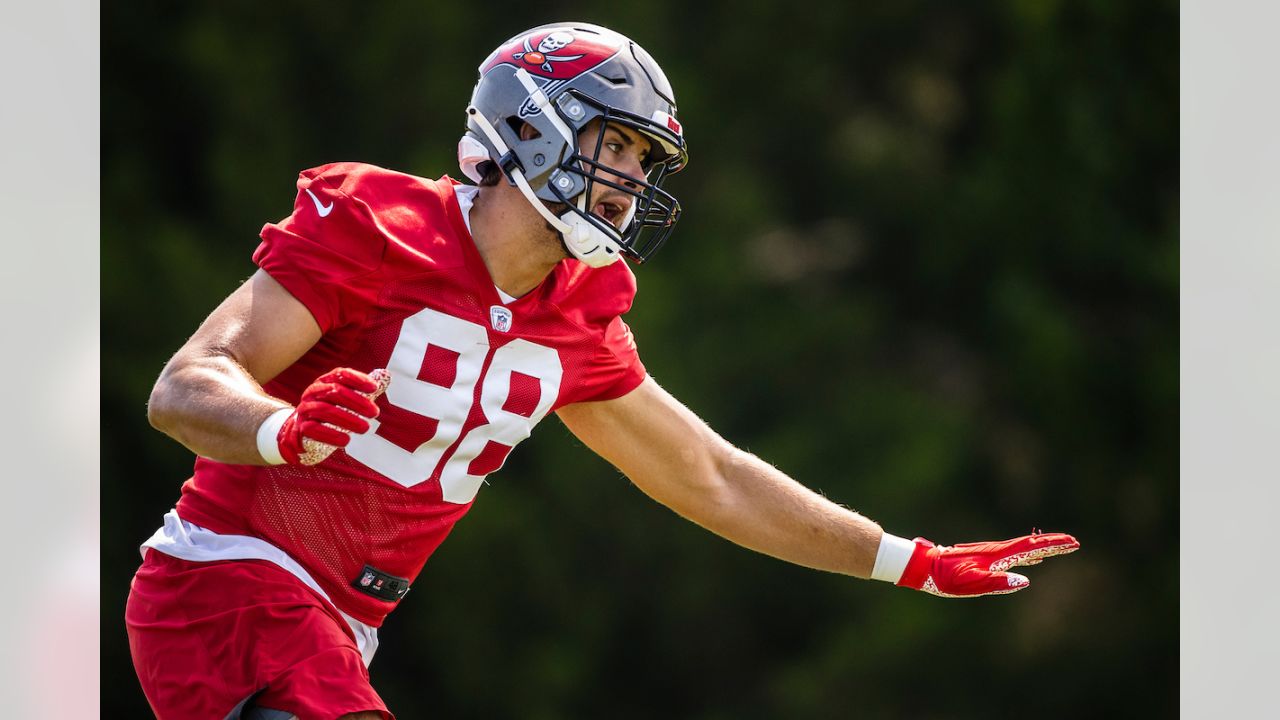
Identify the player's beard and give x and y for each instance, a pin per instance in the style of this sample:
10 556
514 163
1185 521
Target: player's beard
558 209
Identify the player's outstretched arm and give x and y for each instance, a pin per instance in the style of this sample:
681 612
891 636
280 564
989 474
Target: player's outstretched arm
675 458
209 396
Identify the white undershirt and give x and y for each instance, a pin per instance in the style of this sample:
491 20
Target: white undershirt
506 299
188 541
466 198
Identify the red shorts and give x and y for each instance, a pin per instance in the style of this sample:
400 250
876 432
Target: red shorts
207 635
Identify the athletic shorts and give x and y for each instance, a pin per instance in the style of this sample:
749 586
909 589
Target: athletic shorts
205 636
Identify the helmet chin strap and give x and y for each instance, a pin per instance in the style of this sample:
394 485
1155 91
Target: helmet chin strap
591 235
585 241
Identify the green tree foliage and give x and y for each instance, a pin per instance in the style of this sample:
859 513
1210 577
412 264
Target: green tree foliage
928 266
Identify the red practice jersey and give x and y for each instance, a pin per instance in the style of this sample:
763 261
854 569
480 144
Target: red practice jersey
385 263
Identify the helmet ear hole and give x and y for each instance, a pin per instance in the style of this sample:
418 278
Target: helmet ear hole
522 129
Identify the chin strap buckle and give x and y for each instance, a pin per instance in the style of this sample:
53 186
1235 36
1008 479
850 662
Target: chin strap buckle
509 162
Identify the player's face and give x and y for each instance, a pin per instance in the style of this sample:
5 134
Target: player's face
627 153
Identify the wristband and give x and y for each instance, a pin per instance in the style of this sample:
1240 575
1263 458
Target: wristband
892 558
269 436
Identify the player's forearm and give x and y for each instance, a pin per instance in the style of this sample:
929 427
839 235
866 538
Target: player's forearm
213 407
757 506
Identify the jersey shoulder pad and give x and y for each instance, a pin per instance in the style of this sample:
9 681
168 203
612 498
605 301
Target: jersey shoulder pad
328 252
593 297
409 212
331 212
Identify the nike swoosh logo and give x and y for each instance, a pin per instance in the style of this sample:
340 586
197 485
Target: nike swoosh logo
323 210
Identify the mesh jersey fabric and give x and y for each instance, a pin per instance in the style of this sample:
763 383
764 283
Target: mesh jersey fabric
386 265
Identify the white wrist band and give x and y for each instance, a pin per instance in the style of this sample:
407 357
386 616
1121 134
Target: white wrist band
268 436
892 558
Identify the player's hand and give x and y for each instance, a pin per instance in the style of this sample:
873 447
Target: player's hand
974 569
338 403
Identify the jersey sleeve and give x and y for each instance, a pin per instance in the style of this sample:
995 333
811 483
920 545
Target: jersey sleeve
615 369
327 253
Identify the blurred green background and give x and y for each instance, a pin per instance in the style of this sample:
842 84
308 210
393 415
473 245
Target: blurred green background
928 265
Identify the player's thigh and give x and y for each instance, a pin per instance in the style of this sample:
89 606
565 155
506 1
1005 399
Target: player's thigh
331 683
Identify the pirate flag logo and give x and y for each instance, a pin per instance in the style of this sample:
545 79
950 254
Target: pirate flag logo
544 56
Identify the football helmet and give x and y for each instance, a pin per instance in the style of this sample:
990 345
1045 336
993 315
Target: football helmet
559 78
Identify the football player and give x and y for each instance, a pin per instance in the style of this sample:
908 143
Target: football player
400 337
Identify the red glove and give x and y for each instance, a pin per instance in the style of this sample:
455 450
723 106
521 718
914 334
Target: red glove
338 403
974 569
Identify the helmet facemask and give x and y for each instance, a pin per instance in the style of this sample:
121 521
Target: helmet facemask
653 212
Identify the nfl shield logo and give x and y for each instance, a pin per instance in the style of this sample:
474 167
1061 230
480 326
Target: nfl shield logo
366 579
500 317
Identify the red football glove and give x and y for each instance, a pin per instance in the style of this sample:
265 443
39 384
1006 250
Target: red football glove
338 403
974 569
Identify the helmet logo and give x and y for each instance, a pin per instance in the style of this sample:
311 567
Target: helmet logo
557 54
555 41
549 87
543 57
